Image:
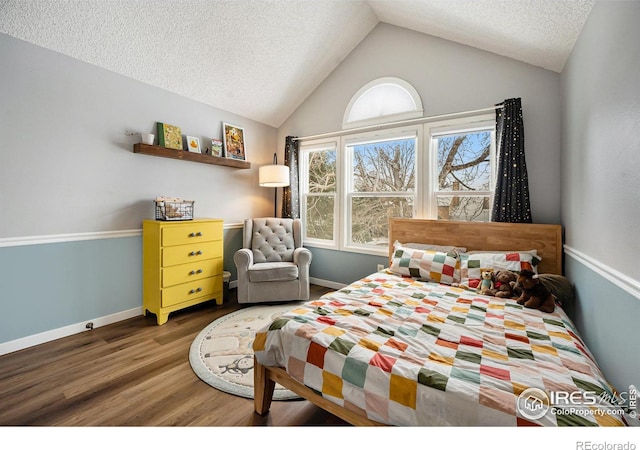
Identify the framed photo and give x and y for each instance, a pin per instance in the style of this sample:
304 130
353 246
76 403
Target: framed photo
193 144
233 141
216 147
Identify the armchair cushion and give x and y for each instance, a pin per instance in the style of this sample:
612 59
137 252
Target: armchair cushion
276 271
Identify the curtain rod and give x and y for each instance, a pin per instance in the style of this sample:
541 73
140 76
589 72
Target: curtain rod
400 122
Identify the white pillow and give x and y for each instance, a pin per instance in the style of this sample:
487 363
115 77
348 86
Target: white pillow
473 263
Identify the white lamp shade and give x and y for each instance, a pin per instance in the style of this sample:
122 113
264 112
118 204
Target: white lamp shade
273 176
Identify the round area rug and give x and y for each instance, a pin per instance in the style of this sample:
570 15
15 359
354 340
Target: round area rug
222 354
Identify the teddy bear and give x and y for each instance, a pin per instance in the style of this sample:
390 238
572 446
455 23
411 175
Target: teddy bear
504 284
486 281
534 293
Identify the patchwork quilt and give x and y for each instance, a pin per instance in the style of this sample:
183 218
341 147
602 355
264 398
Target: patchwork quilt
406 352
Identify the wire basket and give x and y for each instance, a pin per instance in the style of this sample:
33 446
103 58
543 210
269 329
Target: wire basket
174 210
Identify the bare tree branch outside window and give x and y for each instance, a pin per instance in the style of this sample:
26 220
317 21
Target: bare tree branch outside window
321 196
464 166
384 180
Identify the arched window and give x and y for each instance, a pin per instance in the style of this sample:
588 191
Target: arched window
383 100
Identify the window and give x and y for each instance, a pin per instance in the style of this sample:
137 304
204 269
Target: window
462 169
449 175
318 189
380 183
383 100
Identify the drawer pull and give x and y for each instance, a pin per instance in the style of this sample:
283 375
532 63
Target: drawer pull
193 272
199 252
193 291
199 233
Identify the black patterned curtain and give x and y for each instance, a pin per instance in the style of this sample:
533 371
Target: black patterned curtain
290 197
511 199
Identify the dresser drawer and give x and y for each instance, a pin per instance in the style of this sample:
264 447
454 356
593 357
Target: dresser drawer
183 254
191 291
190 272
190 233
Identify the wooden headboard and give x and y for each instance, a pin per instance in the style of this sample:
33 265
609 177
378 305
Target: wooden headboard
497 236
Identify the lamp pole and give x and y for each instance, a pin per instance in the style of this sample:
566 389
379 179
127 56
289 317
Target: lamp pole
275 189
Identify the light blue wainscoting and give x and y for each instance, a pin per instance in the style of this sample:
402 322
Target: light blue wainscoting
608 318
51 290
53 285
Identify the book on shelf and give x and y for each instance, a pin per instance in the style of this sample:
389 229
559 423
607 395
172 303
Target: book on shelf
169 136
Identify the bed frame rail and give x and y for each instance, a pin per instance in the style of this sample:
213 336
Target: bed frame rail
265 379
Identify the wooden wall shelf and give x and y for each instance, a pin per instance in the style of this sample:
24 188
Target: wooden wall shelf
156 150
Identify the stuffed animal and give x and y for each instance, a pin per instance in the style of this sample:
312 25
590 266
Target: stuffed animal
516 288
505 280
486 282
534 293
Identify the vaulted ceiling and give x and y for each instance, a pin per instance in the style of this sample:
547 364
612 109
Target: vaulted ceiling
261 58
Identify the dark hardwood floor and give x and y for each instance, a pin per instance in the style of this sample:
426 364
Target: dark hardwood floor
133 373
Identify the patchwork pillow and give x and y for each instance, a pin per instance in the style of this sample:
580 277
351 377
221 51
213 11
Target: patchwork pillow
473 263
427 265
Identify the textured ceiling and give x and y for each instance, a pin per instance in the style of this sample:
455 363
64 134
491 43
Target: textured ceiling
261 58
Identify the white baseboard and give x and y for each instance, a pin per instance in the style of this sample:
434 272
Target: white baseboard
326 283
69 330
621 280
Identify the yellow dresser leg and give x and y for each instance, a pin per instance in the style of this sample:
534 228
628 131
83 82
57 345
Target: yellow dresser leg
162 318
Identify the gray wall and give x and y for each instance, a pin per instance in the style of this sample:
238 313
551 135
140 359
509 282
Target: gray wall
66 165
601 163
600 185
449 78
67 169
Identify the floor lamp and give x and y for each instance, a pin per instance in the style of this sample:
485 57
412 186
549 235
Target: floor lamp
274 176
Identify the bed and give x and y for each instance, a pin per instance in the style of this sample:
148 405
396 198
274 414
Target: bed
412 347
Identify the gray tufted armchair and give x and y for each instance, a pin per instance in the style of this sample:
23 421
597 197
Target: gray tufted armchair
272 265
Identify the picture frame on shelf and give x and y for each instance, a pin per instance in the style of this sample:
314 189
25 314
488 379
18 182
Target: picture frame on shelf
217 148
169 136
233 137
193 144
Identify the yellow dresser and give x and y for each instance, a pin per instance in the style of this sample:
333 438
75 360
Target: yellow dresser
181 263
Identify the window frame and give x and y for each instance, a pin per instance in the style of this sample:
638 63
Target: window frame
303 179
471 123
414 131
